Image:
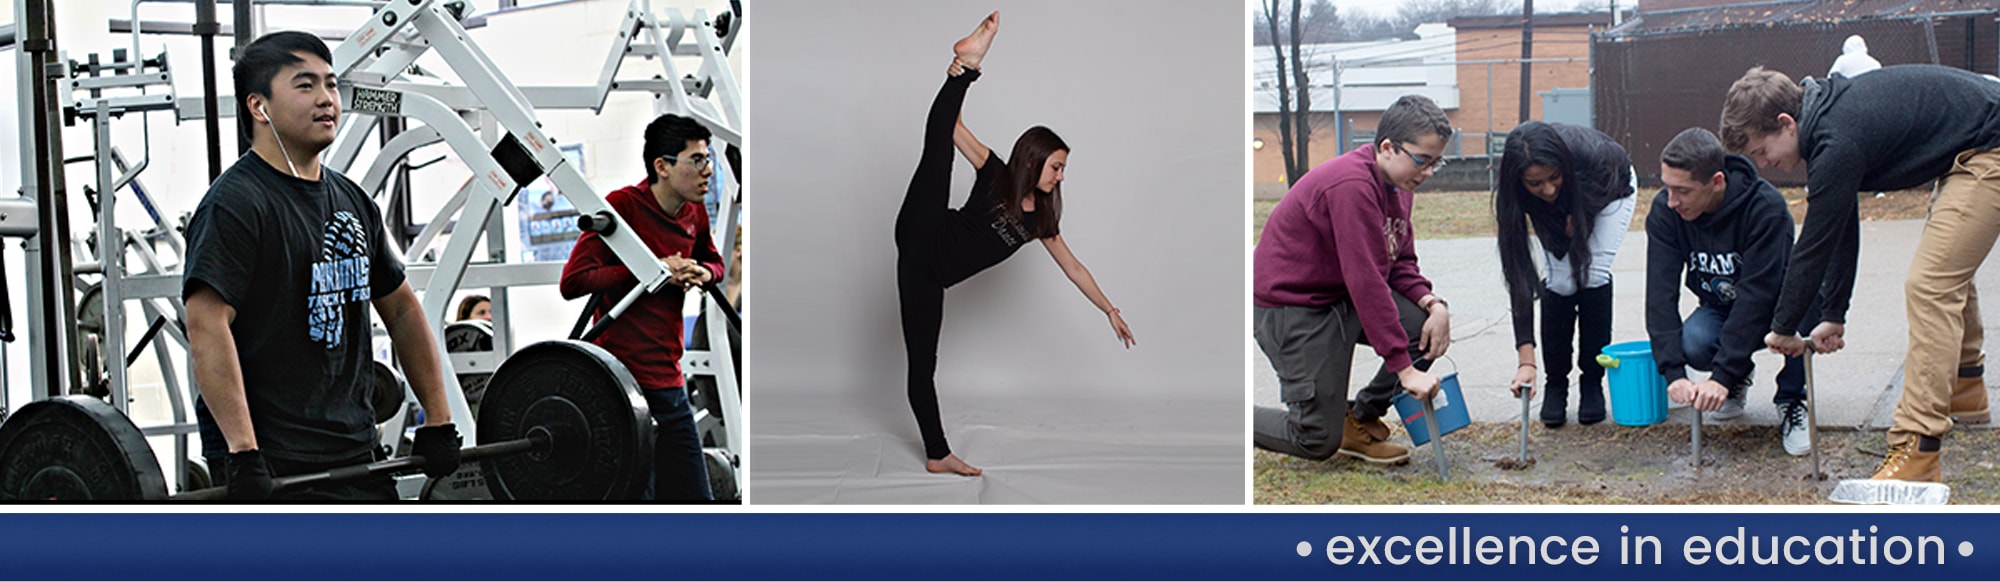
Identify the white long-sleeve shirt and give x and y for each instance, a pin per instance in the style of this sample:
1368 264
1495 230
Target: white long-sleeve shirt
1605 238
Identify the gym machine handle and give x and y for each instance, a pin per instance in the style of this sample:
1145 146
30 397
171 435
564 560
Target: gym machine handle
583 322
599 222
538 440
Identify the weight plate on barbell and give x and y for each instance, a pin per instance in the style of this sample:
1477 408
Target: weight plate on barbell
90 308
600 433
388 392
76 448
472 335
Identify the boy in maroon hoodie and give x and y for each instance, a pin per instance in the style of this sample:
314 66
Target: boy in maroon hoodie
1337 267
666 212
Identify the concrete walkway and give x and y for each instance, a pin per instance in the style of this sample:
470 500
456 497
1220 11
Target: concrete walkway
1856 387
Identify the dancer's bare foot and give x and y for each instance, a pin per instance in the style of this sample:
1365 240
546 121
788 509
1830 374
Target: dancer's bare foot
972 48
951 463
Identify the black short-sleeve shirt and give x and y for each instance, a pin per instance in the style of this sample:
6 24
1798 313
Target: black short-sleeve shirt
300 261
980 235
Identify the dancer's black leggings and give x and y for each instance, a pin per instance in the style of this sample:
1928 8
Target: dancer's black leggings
925 208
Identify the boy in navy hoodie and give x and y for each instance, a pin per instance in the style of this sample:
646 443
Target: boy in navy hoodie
1726 232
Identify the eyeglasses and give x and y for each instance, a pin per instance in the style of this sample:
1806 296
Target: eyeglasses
696 159
1423 162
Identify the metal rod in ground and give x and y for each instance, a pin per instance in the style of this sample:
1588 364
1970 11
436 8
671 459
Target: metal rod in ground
1525 388
1812 418
1437 440
1697 438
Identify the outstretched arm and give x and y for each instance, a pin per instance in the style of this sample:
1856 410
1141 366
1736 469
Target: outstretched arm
1079 275
968 145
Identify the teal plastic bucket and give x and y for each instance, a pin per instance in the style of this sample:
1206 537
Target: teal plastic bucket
1638 392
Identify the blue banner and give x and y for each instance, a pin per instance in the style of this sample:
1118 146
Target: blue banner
911 546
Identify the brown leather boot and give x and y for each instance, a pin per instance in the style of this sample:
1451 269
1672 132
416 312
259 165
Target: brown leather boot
1369 441
1968 401
1913 460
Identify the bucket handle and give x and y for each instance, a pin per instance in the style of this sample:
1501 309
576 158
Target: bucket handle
1606 361
1440 377
1447 358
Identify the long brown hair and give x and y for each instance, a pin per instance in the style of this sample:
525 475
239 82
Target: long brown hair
1024 171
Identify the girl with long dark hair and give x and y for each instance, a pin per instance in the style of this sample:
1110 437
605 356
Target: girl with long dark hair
1572 187
938 246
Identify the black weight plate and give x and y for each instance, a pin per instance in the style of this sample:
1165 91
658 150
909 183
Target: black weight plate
600 431
466 484
90 309
197 476
76 448
472 335
388 393
721 477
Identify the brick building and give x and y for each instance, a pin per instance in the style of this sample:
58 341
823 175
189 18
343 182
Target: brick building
1449 62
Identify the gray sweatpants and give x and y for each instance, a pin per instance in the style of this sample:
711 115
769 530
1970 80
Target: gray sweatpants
1312 349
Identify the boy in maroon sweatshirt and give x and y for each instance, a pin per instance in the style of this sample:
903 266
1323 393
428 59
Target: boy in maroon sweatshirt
1337 267
666 212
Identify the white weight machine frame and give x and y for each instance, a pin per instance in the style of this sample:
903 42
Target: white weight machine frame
372 65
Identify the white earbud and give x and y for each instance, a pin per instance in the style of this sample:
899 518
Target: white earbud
281 141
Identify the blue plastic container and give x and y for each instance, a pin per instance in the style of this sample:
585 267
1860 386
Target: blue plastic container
1450 407
1638 392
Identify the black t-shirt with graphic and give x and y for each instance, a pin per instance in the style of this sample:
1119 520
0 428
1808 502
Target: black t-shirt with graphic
299 261
980 235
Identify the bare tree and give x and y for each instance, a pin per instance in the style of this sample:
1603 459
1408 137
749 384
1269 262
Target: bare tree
1287 27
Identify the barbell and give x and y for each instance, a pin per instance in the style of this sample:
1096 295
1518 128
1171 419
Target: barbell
562 420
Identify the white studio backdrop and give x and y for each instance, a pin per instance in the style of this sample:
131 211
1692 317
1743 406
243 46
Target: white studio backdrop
1149 97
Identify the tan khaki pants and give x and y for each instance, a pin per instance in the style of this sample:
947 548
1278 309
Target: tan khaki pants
1945 330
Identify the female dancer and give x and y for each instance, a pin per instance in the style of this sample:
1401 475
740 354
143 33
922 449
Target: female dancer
1575 186
938 246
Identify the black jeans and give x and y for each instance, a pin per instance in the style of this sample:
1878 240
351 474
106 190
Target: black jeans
680 470
925 208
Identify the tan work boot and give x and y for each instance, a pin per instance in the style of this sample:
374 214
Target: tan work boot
1968 401
1909 461
1369 441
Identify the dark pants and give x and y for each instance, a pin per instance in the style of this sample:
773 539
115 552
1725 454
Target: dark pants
1586 317
1312 349
925 208
1701 337
680 472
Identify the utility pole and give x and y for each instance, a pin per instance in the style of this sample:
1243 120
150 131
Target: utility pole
1527 52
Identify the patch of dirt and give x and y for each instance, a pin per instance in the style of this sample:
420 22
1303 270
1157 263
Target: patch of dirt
1611 464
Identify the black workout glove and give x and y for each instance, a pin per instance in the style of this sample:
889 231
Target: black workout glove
249 476
438 445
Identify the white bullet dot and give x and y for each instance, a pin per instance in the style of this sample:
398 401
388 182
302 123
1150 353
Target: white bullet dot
1965 549
1306 549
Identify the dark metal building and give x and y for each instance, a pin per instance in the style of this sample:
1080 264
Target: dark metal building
1668 68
